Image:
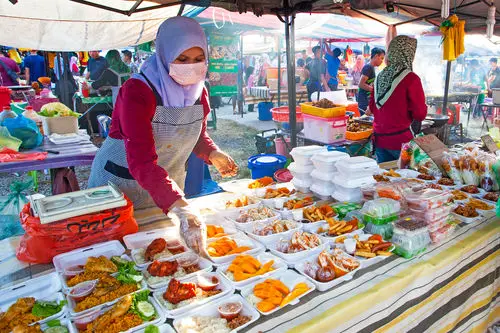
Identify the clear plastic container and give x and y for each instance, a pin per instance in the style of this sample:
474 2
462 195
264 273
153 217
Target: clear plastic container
385 230
432 215
303 155
368 192
326 161
411 237
381 211
435 225
427 199
358 166
439 235
410 226
344 208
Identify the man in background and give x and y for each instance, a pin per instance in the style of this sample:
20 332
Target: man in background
127 59
333 61
494 75
34 67
367 78
96 66
316 72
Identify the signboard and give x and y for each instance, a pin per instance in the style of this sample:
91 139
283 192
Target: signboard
489 143
433 147
223 64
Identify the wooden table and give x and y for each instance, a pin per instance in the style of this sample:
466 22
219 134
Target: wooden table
264 94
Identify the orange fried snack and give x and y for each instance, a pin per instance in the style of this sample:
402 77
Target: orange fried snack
275 293
225 246
278 193
215 231
245 266
261 182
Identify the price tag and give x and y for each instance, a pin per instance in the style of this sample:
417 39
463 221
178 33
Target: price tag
433 147
489 143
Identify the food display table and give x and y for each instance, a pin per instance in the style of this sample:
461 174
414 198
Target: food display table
264 94
451 286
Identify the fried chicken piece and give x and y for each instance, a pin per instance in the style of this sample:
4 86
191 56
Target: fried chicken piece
27 329
100 264
16 310
178 292
161 269
156 246
85 276
105 285
118 310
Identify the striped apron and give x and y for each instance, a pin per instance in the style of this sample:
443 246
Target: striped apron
176 132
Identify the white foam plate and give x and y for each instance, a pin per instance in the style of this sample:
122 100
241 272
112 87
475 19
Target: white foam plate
224 285
279 266
268 240
241 240
290 279
248 226
365 262
211 310
292 258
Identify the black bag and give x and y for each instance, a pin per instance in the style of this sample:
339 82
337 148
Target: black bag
13 75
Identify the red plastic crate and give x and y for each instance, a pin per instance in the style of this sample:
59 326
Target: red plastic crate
281 114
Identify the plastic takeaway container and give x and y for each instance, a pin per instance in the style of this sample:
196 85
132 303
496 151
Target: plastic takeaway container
357 167
325 130
301 171
303 155
427 199
326 161
265 165
302 185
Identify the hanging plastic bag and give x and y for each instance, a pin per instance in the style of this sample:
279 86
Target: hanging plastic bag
25 130
10 208
8 141
450 165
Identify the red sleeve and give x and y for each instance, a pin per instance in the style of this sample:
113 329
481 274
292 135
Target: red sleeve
205 144
136 106
416 99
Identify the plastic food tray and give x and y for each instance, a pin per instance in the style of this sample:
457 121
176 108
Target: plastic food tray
241 240
380 220
289 279
381 211
272 239
224 285
80 256
385 230
326 161
442 233
432 215
333 239
141 240
229 228
279 266
211 310
369 261
247 227
410 245
467 220
72 303
43 288
337 111
303 155
233 213
160 318
323 286
205 266
427 199
360 166
292 258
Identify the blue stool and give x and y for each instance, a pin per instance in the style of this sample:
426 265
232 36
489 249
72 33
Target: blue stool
198 179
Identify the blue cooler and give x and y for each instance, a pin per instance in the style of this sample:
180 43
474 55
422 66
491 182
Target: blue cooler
265 111
265 165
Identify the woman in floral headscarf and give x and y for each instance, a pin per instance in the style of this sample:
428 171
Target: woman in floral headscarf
397 101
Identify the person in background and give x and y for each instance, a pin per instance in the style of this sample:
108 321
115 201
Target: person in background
34 67
316 72
265 64
249 82
343 65
128 59
304 56
494 75
238 98
398 99
8 65
333 61
477 77
367 78
357 69
95 66
159 119
73 65
110 77
301 63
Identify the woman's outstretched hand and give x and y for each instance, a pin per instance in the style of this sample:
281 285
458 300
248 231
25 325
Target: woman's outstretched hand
223 163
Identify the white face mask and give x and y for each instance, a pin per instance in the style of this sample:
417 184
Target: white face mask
188 74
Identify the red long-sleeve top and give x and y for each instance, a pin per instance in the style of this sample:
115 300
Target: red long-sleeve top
131 122
407 103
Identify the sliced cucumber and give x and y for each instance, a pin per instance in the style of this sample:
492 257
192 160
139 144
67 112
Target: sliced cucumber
136 278
56 329
118 261
146 309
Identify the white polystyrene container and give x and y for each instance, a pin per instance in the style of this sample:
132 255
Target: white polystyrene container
211 310
271 239
355 195
279 266
224 285
42 288
368 261
323 286
247 227
301 171
323 190
345 184
241 240
302 185
326 161
292 258
289 279
322 176
357 167
233 212
303 155
64 323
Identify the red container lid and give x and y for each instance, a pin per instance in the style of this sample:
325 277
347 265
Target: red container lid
283 176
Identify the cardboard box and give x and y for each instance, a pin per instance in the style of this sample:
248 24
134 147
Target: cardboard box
60 125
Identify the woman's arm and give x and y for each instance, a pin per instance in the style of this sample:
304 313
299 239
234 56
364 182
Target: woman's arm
416 98
136 107
205 144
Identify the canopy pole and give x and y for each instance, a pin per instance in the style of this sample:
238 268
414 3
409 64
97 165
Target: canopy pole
290 56
241 78
279 71
446 87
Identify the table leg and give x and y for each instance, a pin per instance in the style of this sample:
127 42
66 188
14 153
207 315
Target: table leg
485 119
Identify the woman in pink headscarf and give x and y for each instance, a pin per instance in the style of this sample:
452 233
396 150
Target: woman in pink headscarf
159 119
356 69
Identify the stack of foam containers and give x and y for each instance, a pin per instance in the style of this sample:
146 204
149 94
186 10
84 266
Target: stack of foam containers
324 171
302 166
353 174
